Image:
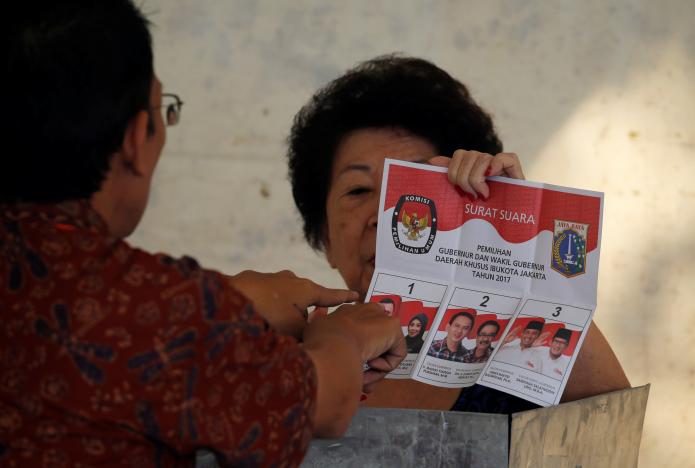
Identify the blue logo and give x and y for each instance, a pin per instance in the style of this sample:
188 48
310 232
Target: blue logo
569 248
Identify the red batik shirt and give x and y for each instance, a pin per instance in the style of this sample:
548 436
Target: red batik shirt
113 356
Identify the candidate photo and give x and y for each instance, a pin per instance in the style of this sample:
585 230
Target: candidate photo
484 338
415 331
450 347
521 350
553 361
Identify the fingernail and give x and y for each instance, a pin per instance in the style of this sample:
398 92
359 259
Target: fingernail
363 397
483 196
354 295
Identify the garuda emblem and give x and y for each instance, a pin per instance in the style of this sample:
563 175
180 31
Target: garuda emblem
414 224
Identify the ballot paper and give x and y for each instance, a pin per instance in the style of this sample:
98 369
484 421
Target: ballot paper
498 292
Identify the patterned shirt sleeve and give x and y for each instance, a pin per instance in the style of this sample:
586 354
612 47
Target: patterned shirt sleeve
228 382
111 355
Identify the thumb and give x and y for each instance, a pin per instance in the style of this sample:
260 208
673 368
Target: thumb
317 312
441 161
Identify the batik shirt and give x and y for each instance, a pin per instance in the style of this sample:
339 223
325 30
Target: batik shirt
111 356
471 358
440 350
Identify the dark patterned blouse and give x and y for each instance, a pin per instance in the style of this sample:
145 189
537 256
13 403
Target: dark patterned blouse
112 356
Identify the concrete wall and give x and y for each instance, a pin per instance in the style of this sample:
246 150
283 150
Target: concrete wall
592 94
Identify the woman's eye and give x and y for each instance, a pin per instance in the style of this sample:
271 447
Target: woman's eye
357 191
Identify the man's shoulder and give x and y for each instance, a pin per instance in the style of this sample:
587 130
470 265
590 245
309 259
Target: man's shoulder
563 359
437 345
511 345
462 350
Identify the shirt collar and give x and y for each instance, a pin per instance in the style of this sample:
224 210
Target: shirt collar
65 216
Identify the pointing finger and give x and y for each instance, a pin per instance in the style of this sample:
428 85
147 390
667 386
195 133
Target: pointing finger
326 297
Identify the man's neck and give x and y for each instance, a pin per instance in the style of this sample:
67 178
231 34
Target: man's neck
452 347
113 207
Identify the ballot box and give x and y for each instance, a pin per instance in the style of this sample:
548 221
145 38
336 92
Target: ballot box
604 430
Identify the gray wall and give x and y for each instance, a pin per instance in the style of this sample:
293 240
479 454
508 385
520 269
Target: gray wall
591 94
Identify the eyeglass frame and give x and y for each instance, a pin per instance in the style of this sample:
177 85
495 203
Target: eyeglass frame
176 106
488 335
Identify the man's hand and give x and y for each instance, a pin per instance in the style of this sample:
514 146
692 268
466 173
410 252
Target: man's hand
468 169
512 335
283 299
378 337
541 339
339 344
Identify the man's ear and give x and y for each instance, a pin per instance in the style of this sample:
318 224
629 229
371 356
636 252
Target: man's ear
134 141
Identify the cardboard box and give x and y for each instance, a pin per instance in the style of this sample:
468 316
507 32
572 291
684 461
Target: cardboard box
601 431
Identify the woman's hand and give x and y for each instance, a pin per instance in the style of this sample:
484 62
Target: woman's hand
468 169
282 298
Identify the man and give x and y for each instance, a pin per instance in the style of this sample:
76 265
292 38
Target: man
483 342
520 351
450 347
111 355
389 306
554 362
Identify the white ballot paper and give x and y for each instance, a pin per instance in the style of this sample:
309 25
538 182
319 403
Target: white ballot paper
498 292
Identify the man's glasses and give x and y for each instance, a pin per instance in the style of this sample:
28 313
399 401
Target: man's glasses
171 104
487 335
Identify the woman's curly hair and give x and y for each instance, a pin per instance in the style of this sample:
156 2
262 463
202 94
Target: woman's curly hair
391 91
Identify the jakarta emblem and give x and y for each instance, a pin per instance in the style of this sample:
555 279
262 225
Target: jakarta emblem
414 224
569 248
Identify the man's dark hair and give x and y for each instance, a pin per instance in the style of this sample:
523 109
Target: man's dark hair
563 334
77 71
489 322
461 314
534 325
386 92
386 300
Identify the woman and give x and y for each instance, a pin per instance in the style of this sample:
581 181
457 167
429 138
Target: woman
405 108
416 328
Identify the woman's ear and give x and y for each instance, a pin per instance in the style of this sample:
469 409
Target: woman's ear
134 140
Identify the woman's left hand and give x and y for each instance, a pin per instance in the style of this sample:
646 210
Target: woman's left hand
468 169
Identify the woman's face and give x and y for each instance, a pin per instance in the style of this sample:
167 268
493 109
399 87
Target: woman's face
414 327
353 197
